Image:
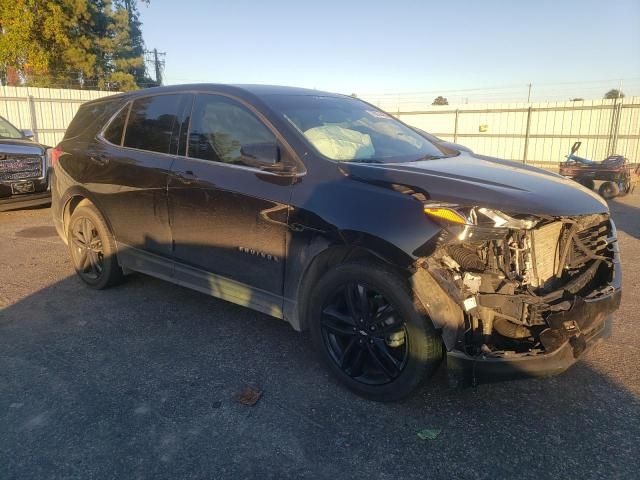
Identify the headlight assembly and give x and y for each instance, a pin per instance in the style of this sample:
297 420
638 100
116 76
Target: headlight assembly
479 223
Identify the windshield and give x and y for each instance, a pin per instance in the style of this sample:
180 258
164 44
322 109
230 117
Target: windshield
349 130
8 131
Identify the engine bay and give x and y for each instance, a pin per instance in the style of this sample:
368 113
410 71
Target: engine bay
514 277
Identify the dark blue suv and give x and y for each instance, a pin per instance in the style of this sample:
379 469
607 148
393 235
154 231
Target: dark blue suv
320 209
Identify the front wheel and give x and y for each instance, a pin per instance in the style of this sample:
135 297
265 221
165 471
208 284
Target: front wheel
371 333
609 190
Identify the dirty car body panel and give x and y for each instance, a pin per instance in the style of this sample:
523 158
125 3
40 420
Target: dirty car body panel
521 282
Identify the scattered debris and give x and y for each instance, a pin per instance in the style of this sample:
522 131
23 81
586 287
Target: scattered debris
249 396
429 433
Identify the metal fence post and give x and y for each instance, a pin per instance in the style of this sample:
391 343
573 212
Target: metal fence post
32 115
615 129
455 127
526 137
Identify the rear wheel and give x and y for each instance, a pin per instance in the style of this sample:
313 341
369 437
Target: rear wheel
371 333
609 190
92 248
625 187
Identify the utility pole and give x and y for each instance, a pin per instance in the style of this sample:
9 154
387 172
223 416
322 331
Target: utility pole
529 95
157 65
157 59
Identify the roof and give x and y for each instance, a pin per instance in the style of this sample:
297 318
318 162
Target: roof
237 89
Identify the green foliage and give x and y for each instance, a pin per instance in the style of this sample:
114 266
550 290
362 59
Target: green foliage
440 100
614 93
73 43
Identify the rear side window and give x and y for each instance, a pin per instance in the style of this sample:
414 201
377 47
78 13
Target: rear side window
220 127
113 132
152 123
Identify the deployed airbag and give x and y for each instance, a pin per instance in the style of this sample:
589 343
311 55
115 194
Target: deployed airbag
340 143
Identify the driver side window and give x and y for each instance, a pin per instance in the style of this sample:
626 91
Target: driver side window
220 127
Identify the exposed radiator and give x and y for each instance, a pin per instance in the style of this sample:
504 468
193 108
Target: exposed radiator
545 246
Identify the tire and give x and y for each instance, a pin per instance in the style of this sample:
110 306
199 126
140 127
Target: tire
587 182
394 331
608 190
625 188
93 248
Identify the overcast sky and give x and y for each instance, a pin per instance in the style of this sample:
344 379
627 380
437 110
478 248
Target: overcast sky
397 46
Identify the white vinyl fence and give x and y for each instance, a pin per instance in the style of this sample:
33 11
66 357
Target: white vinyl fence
535 133
46 111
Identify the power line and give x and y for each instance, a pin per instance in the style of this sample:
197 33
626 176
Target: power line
503 87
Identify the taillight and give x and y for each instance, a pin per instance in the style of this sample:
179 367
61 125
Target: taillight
54 155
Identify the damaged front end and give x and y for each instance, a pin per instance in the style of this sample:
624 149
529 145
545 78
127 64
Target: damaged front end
518 295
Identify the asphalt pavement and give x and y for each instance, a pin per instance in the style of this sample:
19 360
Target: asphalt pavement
139 381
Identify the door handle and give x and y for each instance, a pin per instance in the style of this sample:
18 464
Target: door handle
187 177
100 159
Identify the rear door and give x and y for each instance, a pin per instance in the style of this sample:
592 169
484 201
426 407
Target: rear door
229 220
131 164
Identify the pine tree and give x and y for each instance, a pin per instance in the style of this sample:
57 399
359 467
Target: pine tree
73 43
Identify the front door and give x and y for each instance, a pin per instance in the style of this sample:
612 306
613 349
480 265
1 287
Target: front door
228 219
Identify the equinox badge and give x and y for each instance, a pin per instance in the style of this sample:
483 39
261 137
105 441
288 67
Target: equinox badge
258 253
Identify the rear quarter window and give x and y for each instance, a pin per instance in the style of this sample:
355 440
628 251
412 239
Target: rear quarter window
113 132
90 118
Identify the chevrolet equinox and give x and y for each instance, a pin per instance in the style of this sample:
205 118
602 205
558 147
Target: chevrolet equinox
395 253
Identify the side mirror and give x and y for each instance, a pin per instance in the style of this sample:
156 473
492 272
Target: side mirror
260 154
27 133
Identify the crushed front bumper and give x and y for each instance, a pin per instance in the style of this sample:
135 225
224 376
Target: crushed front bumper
588 321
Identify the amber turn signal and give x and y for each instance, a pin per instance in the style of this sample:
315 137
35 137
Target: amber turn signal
447 214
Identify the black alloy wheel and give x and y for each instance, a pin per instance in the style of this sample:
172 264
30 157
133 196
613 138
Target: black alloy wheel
364 334
371 331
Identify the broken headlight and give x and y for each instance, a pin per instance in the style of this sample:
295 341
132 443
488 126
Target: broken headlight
477 222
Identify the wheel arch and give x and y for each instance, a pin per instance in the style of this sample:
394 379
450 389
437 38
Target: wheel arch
73 199
326 254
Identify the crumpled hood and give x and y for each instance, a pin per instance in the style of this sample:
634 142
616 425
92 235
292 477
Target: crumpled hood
21 147
475 180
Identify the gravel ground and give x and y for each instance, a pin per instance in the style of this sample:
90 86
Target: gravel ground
139 382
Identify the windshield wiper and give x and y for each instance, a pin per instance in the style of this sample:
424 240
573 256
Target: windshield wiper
430 157
366 160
